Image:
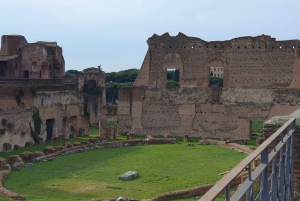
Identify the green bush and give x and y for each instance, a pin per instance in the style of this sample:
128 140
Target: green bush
111 123
216 81
172 83
92 89
37 127
257 126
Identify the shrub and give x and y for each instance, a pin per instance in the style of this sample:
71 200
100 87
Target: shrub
111 123
172 83
37 127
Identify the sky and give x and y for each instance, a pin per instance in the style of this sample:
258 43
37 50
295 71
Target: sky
113 33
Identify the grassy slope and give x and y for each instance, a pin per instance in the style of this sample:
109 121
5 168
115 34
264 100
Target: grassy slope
94 174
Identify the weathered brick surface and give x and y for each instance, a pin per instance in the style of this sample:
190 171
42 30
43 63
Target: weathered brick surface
255 69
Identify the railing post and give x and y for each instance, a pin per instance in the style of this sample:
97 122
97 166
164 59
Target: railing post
264 178
228 193
274 186
281 174
293 126
288 171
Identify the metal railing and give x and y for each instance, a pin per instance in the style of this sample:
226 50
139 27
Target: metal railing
276 178
29 81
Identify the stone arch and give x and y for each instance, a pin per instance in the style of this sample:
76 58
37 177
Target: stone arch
174 61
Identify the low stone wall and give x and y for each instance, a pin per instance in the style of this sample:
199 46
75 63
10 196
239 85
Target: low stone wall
225 144
197 191
7 193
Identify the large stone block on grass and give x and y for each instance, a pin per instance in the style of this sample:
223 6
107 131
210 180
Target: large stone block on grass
14 159
129 175
49 150
68 144
2 163
28 156
17 166
76 144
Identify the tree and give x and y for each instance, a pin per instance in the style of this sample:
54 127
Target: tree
176 75
71 73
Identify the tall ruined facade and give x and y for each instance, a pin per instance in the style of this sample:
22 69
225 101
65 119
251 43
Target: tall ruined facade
261 79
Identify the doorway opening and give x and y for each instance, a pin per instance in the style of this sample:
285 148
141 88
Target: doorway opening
49 127
256 133
2 72
25 74
73 126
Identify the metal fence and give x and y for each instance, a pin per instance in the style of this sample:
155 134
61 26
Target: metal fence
27 81
272 180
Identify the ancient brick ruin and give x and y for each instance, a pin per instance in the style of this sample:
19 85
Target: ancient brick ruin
19 59
261 79
32 82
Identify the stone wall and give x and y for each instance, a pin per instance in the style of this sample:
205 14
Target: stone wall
64 107
260 81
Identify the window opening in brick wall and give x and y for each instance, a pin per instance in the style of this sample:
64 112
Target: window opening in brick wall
216 76
2 72
173 77
25 74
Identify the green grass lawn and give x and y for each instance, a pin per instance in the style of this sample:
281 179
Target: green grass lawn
94 174
257 131
257 126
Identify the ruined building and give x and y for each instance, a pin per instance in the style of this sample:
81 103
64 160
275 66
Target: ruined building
261 79
37 103
19 59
